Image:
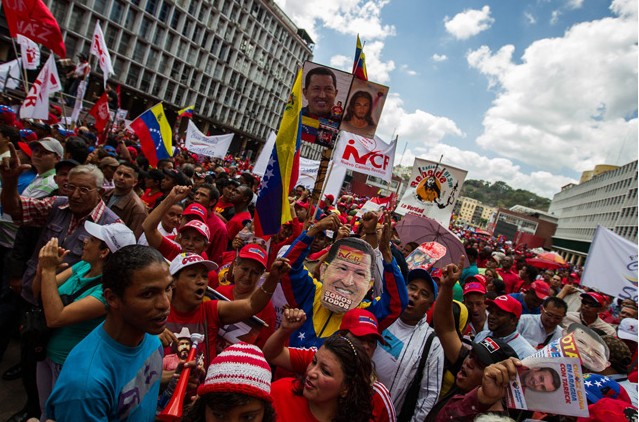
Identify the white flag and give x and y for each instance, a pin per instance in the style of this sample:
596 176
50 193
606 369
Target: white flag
79 99
262 161
364 155
36 104
30 52
99 49
611 266
211 146
10 74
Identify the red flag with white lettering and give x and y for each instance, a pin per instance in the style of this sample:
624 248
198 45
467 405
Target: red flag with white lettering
34 20
100 111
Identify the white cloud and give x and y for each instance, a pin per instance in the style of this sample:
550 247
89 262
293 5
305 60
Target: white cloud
416 128
344 16
491 169
530 18
574 4
554 17
566 106
469 23
349 17
439 57
408 70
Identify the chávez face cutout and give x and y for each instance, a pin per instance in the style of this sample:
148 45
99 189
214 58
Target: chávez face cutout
346 279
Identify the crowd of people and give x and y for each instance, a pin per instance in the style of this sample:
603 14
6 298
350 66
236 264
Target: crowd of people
144 274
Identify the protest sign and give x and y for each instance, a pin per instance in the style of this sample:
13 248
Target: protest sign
432 191
373 157
210 146
551 385
425 255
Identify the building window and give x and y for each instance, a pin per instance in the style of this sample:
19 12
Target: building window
77 20
99 6
151 6
130 19
125 42
164 11
117 11
133 75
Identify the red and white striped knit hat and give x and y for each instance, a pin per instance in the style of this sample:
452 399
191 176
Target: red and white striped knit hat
240 368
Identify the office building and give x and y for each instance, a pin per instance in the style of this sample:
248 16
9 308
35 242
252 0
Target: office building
607 198
236 60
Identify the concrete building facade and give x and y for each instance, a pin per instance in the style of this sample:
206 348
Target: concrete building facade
235 60
608 198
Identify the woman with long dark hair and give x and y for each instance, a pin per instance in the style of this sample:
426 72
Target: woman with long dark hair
336 386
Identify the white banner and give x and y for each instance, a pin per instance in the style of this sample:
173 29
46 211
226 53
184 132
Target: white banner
79 98
432 191
308 173
99 49
333 182
363 155
211 146
262 161
611 266
30 52
10 74
36 104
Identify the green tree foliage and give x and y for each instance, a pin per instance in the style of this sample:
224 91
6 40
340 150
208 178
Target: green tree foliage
499 194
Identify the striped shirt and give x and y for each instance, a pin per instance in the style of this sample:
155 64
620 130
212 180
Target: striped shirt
43 185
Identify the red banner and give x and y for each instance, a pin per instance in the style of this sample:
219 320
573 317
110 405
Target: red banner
100 111
34 20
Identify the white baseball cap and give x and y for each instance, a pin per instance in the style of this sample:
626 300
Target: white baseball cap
115 235
627 329
186 259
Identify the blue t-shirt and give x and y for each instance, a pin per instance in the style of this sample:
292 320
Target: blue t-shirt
103 380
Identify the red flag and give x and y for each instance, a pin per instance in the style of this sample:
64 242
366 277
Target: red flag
34 20
117 91
100 111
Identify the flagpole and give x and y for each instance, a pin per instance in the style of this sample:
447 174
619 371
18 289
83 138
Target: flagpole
64 113
399 185
24 71
325 182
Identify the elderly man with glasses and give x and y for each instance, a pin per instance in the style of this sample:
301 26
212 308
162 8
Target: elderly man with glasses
592 303
543 328
60 216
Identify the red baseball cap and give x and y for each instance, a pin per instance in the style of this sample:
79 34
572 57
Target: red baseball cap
541 288
301 204
254 252
596 297
201 228
474 287
479 278
360 323
507 304
197 210
329 197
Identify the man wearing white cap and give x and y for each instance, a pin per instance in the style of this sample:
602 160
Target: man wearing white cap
45 153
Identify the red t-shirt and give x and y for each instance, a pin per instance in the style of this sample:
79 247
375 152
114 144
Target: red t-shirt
267 315
511 280
289 406
236 223
150 199
195 323
219 238
383 409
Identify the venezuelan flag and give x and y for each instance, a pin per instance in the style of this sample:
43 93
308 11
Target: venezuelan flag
186 111
154 132
272 208
359 64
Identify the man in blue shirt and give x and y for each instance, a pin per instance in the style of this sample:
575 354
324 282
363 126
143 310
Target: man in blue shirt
115 372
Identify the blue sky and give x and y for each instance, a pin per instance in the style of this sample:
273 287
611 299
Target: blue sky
532 92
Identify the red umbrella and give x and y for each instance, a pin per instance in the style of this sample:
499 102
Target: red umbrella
544 263
413 228
552 256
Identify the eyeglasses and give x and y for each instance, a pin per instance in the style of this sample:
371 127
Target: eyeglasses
552 316
82 189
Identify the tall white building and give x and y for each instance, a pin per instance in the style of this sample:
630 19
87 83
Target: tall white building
235 60
608 198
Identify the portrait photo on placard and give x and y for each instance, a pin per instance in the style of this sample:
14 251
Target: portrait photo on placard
364 108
